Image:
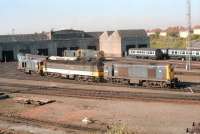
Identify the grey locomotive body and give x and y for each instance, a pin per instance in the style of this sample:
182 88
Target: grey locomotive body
144 75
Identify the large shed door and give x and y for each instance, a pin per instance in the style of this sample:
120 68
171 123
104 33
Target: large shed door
129 47
60 51
43 52
7 55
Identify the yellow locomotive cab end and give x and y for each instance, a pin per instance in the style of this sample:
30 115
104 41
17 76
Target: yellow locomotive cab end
170 72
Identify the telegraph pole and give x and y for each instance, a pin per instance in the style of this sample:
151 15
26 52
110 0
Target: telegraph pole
188 40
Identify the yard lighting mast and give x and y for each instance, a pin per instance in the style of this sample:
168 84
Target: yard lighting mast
188 40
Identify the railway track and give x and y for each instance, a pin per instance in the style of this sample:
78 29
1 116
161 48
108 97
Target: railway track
12 118
100 94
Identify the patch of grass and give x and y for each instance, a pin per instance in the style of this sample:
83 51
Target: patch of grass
119 129
167 42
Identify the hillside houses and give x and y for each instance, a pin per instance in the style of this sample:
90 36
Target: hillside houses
196 30
177 31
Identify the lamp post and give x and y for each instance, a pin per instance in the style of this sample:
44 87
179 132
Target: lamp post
188 40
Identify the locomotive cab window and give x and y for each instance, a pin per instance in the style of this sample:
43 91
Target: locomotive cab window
23 64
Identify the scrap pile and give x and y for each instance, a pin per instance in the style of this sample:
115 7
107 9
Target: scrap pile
34 101
3 96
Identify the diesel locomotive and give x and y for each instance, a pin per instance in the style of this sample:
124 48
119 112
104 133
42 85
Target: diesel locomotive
161 76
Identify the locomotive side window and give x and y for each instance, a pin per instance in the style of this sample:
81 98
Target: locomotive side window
23 64
113 71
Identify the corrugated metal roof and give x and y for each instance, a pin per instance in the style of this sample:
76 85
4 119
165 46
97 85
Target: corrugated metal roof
64 34
109 32
94 34
23 37
67 31
132 33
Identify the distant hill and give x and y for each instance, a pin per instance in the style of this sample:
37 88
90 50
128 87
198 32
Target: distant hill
170 41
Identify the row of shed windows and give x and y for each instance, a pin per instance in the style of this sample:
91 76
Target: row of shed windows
60 51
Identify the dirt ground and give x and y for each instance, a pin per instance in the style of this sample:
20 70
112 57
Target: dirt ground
143 117
15 128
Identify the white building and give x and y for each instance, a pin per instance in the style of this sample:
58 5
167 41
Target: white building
183 34
196 31
151 33
163 34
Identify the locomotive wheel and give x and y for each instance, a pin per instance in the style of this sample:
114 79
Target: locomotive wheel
97 80
145 84
126 82
164 85
77 78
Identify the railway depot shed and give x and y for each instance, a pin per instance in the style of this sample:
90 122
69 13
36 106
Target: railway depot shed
48 44
113 43
117 43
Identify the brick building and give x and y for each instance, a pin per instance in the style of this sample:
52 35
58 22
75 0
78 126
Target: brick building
117 43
